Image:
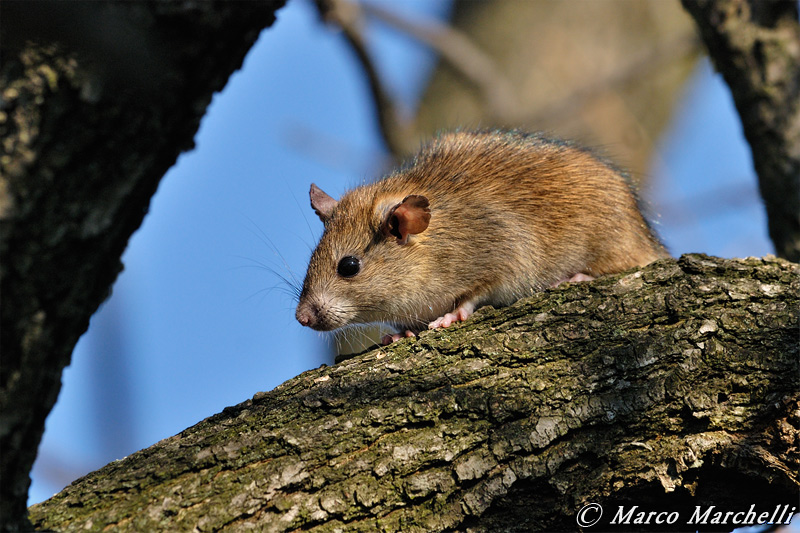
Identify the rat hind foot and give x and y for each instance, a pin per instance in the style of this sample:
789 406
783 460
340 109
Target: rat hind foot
459 315
580 276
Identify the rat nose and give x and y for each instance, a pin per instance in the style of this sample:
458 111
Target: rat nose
307 315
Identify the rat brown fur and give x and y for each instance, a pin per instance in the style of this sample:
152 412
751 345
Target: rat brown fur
476 218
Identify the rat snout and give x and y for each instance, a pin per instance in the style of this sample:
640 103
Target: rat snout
307 314
320 312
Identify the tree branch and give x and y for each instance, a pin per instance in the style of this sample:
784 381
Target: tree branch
396 133
756 47
666 388
98 99
465 57
454 47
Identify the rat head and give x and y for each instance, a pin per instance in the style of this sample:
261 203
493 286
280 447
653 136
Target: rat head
369 255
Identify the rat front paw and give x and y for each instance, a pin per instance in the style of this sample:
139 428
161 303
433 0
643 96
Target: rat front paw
389 339
459 315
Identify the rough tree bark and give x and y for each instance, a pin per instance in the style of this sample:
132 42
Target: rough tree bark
666 388
98 99
756 47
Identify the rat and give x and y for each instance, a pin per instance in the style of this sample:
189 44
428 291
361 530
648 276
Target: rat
475 218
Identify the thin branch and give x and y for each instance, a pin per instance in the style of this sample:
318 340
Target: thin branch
464 56
347 16
480 69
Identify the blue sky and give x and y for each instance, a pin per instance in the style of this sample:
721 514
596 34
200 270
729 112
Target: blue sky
197 321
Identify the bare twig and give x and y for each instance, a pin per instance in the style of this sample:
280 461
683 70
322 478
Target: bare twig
455 48
347 15
464 56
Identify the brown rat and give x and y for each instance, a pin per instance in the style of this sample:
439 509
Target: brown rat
476 218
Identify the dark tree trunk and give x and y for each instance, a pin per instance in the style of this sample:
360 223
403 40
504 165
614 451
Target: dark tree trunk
665 388
98 99
755 45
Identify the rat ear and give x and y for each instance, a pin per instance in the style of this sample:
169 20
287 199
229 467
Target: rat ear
409 217
321 203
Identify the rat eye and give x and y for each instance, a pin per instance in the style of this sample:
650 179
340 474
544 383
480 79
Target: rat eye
349 266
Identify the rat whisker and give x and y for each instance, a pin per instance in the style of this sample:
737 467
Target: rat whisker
291 288
265 239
